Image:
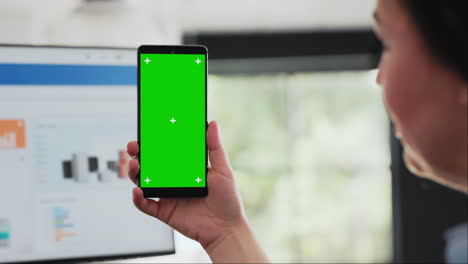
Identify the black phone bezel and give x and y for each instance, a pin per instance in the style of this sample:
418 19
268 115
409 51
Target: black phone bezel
174 192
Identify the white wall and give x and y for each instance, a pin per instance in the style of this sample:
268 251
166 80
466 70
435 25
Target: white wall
213 15
164 21
96 23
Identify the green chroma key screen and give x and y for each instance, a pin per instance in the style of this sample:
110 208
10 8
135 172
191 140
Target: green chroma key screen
172 120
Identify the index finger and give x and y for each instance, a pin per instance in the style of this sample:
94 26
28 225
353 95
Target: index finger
133 148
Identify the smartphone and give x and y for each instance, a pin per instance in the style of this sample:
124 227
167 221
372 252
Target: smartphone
172 120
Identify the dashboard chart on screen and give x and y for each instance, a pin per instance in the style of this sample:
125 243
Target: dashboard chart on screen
66 115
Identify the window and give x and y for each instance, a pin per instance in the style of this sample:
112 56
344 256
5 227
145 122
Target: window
310 153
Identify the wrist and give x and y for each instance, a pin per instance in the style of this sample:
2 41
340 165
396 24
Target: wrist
234 231
237 244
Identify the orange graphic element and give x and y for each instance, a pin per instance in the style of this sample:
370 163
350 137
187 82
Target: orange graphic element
60 234
12 134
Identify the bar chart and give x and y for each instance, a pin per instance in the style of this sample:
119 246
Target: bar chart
68 154
62 224
12 134
85 168
4 233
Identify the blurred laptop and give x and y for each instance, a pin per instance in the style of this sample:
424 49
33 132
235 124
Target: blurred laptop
66 115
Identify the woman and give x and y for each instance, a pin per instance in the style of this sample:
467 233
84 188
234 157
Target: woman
423 72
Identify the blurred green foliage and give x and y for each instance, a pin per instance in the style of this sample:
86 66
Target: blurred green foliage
311 156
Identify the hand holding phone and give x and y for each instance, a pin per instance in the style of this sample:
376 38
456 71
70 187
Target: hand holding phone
174 143
205 219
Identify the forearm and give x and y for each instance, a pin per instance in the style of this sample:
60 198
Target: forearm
237 246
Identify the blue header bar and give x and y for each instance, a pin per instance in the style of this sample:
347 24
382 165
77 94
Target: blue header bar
64 74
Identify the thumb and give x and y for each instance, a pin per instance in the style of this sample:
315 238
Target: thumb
218 157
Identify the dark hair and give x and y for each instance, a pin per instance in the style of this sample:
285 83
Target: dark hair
443 25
